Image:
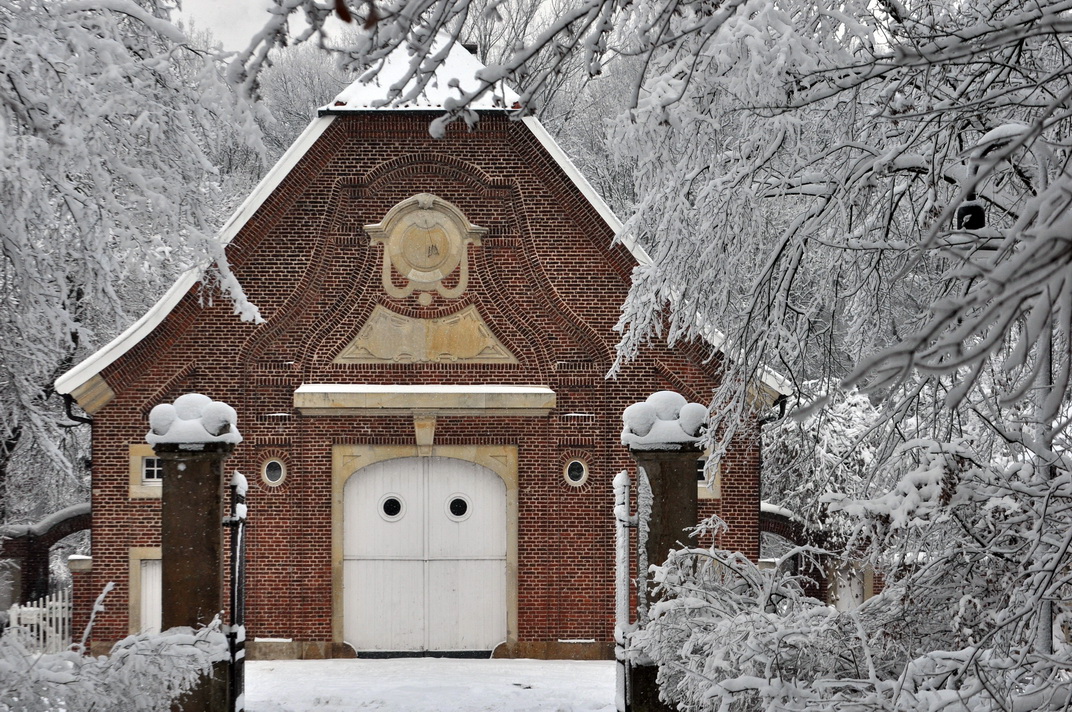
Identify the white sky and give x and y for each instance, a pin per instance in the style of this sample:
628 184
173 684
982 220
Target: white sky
233 22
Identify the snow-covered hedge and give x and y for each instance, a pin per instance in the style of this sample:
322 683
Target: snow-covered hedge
728 635
143 673
731 637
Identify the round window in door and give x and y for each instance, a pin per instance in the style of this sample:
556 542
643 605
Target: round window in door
458 507
392 507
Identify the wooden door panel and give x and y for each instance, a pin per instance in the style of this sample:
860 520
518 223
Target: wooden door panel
385 604
467 604
368 530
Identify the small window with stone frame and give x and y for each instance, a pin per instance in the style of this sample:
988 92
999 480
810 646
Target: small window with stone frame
152 470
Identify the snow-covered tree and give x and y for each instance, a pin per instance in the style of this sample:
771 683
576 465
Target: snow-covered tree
829 449
809 163
494 29
728 635
808 175
299 80
870 191
579 114
110 126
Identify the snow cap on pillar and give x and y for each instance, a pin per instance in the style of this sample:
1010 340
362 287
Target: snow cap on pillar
665 421
193 418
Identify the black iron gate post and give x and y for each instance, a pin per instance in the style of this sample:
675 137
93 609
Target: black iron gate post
236 632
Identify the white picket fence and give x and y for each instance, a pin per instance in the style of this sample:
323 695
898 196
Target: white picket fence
44 625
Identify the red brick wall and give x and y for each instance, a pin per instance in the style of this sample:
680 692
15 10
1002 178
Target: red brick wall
546 281
83 596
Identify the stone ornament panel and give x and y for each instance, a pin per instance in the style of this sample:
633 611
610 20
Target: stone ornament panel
425 240
388 337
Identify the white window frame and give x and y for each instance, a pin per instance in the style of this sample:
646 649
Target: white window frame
584 477
140 487
282 475
711 487
152 470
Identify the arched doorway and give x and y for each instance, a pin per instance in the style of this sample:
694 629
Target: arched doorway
424 557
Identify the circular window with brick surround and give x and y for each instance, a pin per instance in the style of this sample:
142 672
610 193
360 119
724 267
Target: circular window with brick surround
575 472
273 472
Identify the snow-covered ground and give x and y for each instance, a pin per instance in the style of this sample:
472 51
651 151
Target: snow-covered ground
430 685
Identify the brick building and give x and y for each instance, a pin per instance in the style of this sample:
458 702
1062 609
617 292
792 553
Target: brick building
429 436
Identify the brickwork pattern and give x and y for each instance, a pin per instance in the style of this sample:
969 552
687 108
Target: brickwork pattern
547 282
83 596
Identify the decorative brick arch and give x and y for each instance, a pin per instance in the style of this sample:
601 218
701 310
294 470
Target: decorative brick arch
30 545
795 532
785 527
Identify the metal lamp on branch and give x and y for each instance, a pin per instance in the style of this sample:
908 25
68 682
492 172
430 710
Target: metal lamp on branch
970 214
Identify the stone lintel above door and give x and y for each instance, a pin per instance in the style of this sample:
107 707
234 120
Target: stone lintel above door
428 400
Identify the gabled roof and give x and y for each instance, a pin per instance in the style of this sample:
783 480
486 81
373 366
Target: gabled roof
368 93
81 376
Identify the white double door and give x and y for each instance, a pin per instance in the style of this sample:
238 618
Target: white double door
424 556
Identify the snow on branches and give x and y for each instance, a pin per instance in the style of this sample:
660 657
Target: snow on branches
830 449
142 673
802 171
112 128
728 635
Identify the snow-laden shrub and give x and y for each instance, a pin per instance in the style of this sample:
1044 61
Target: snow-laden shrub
728 635
143 673
979 564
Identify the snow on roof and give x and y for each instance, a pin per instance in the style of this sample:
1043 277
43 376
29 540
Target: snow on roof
457 75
